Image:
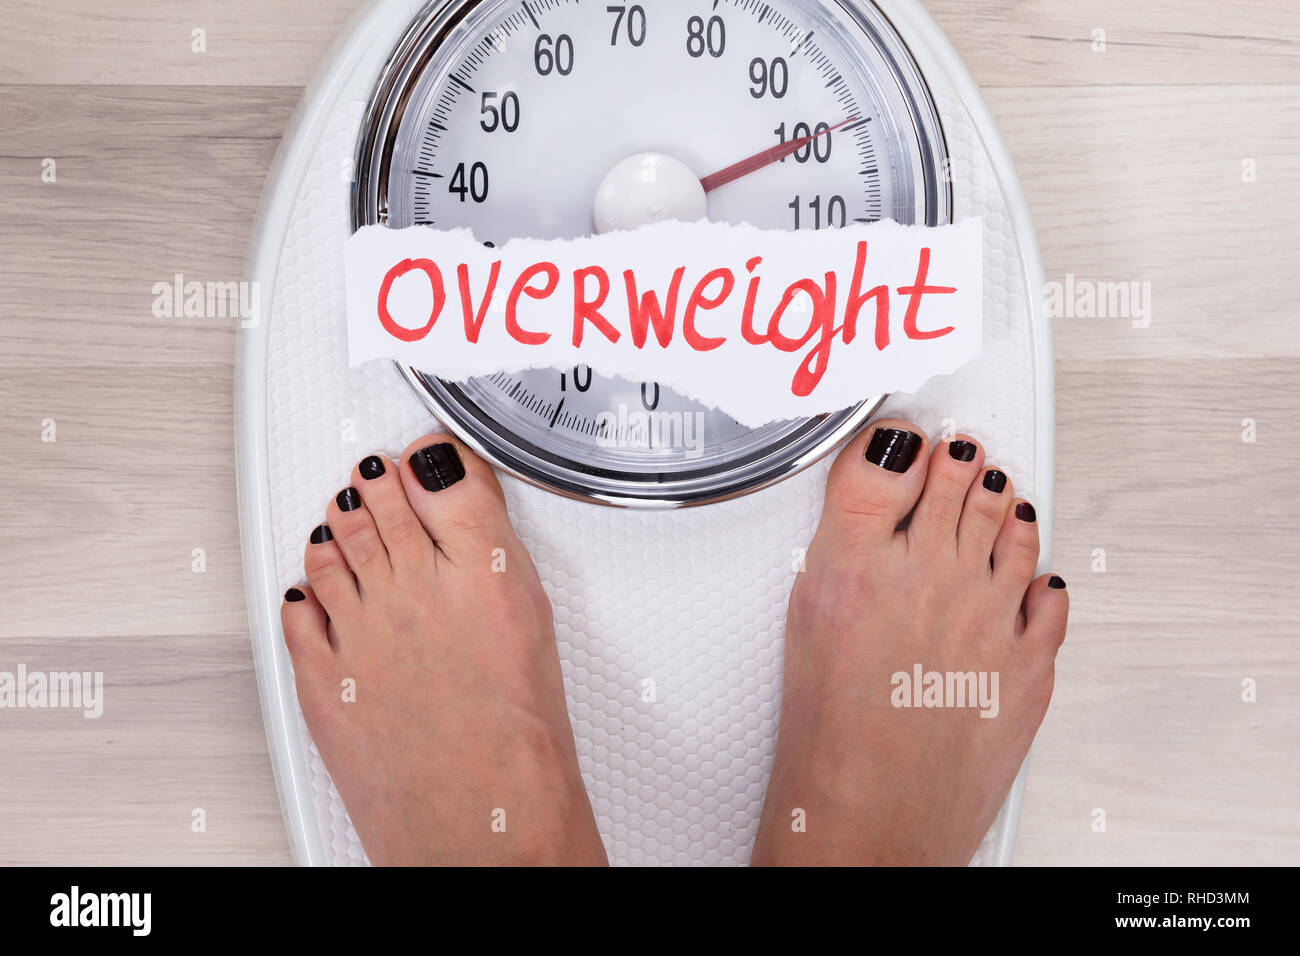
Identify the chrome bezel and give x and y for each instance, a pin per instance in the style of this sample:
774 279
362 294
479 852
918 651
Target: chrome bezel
795 450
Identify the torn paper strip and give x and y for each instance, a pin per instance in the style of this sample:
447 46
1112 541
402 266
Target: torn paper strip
765 325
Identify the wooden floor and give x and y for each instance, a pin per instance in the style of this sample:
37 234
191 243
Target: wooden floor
1133 160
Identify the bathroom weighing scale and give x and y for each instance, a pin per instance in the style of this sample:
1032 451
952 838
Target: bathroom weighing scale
668 567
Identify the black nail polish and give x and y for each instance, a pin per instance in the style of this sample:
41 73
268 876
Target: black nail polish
893 449
321 535
1056 583
1025 512
293 596
348 500
995 481
962 450
437 467
371 468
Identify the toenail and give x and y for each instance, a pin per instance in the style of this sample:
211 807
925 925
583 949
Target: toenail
1055 583
293 596
348 500
995 481
1025 512
893 449
371 468
962 450
321 535
437 467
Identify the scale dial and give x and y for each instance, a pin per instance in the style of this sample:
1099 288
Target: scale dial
555 119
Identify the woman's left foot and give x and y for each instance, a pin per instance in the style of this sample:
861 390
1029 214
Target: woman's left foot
425 658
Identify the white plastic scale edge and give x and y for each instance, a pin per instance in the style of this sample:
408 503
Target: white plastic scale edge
349 72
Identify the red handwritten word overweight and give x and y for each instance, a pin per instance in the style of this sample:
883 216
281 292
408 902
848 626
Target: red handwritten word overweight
810 315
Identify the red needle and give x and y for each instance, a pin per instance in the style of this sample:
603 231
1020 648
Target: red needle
766 158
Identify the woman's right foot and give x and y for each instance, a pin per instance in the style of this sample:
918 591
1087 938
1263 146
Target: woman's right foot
868 769
425 658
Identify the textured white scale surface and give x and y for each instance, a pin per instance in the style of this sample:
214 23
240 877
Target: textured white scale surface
693 600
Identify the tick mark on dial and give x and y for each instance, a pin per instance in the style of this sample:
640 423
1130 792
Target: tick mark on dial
556 413
802 43
459 82
531 17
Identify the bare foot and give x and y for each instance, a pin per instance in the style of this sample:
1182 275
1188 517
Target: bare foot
857 777
425 658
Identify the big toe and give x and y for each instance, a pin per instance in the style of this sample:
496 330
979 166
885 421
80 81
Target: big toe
457 499
877 479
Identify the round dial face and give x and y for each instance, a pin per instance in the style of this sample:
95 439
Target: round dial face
539 118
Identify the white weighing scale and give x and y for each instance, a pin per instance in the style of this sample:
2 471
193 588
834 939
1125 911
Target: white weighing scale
523 119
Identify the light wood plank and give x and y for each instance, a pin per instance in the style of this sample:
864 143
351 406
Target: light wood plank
1197 525
1147 721
1147 724
152 41
1031 43
1166 210
151 183
101 525
181 730
1145 185
1003 42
